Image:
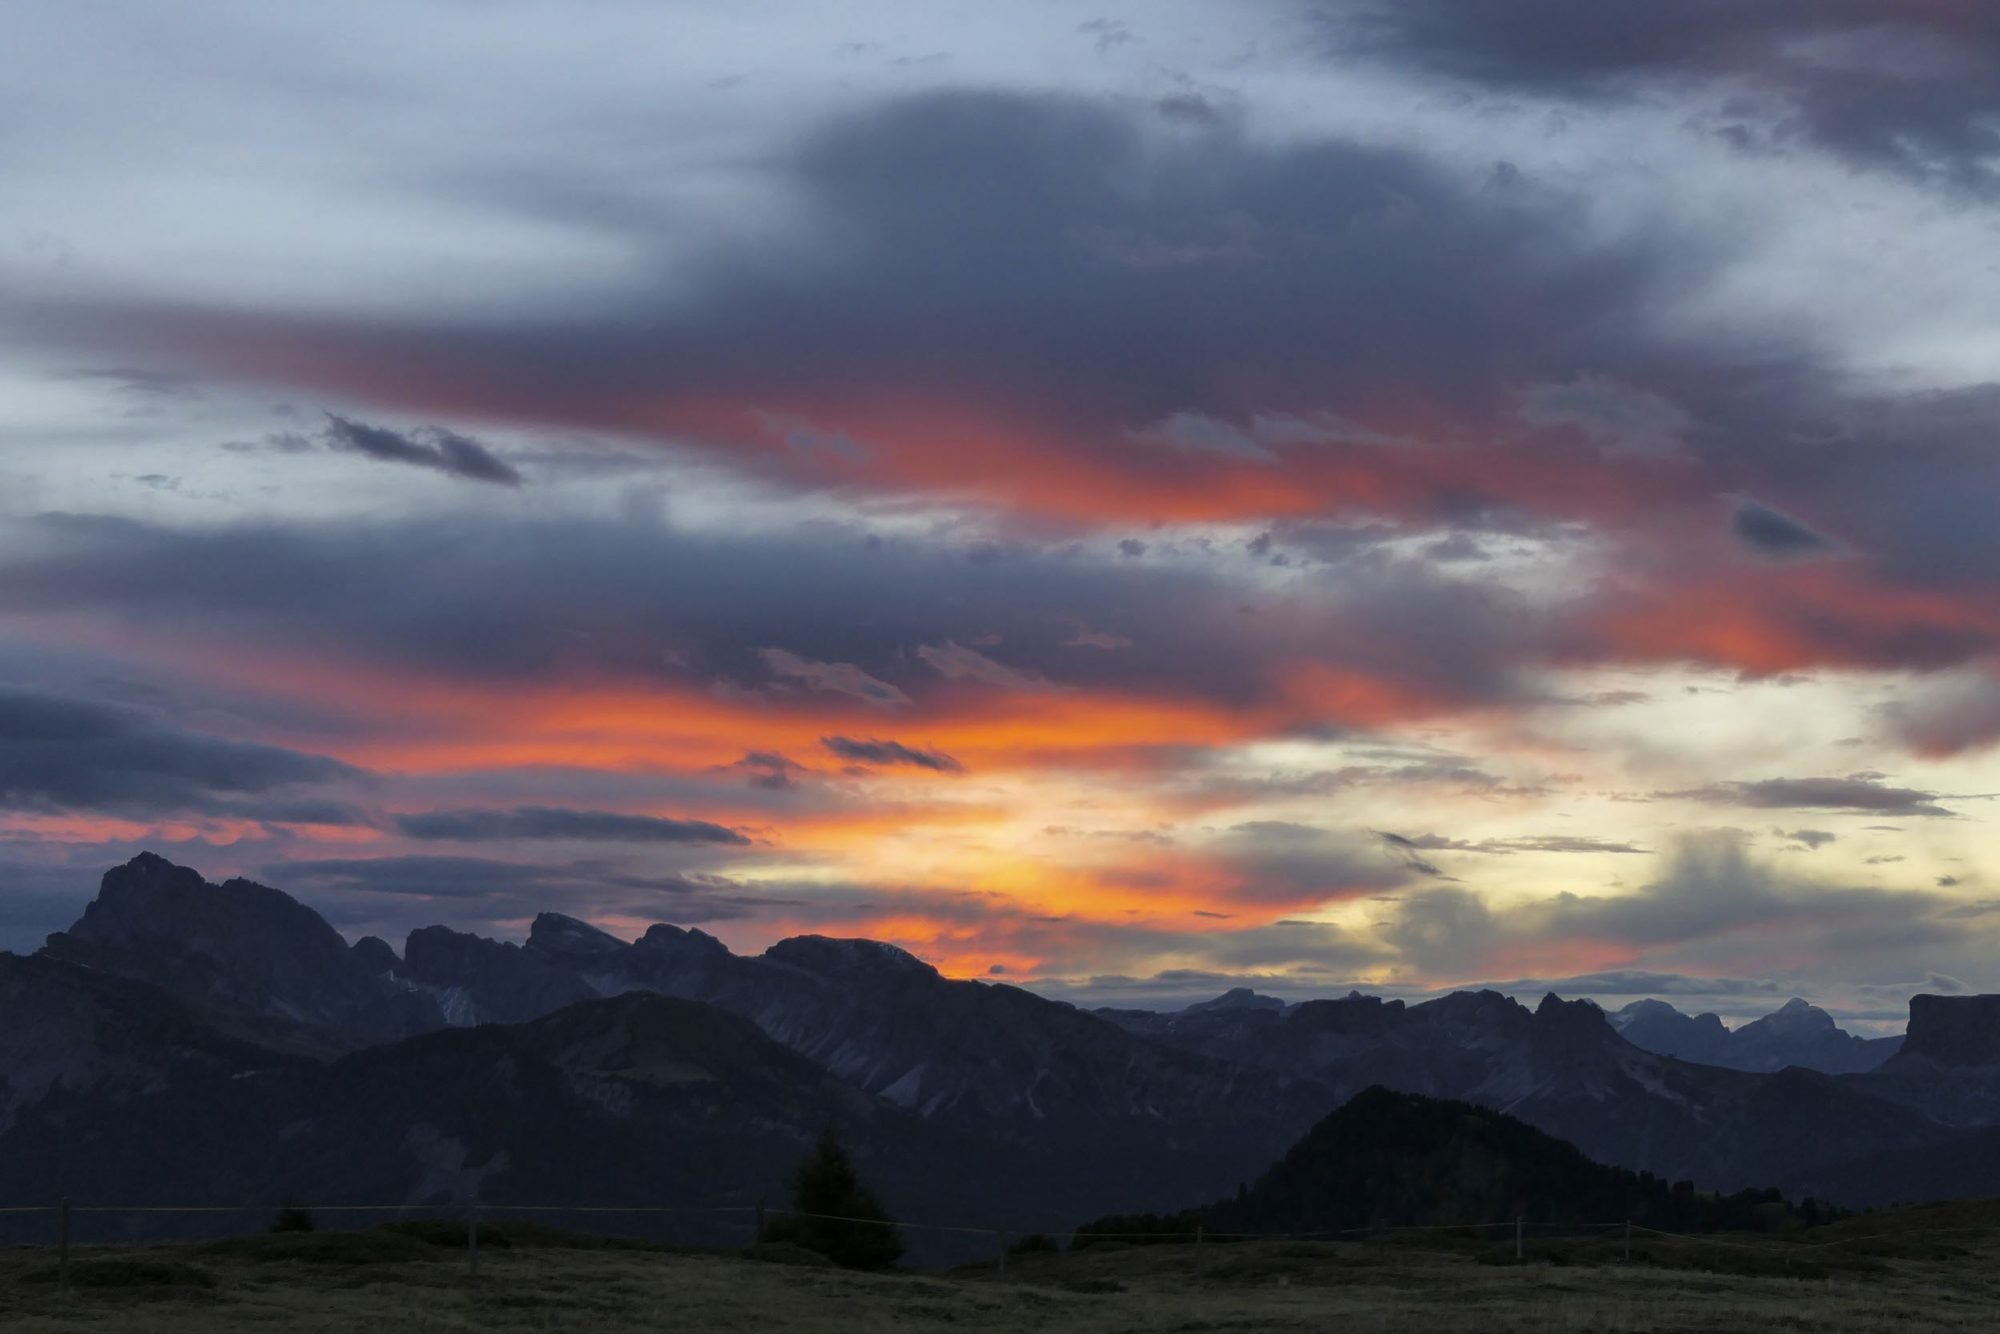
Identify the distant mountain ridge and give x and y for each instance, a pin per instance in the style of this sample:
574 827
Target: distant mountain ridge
1798 1034
195 1005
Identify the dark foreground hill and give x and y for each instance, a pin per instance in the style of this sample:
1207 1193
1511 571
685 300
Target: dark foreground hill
1397 1159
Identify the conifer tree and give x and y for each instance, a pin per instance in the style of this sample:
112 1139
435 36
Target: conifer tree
835 1214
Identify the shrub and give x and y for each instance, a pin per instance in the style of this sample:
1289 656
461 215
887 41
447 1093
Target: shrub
293 1217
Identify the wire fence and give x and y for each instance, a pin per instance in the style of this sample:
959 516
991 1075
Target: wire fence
756 1217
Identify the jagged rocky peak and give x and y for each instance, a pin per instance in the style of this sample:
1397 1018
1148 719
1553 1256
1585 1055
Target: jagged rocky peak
1576 1018
1482 1009
553 933
837 957
149 909
1954 1030
665 939
1796 1015
1652 1011
238 945
438 951
375 954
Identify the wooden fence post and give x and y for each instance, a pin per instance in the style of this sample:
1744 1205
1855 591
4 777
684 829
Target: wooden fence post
62 1247
1518 1222
1628 1241
758 1238
1200 1231
1002 1237
472 1242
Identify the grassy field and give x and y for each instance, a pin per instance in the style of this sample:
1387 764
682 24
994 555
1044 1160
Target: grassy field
1939 1270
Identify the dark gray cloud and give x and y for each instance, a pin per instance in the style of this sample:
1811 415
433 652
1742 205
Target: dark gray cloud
1771 533
1856 793
1580 843
61 753
875 751
819 608
1276 861
433 447
1905 86
552 823
1814 839
1113 281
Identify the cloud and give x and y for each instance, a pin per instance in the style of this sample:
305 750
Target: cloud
434 448
1771 533
1279 862
963 664
769 770
1950 715
62 753
1902 87
1618 418
1814 839
1858 793
1040 331
839 678
1711 906
1578 843
1445 932
544 822
1198 434
875 751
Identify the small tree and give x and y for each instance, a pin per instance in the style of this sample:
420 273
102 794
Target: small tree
835 1214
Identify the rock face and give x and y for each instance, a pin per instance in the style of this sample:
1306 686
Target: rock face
473 980
238 950
1954 1030
1798 1034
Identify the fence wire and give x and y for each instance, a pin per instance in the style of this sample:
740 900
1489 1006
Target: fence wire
1196 1235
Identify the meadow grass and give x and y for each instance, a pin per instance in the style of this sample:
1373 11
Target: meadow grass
382 1281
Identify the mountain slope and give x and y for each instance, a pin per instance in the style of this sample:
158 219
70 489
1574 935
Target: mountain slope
67 1030
638 1100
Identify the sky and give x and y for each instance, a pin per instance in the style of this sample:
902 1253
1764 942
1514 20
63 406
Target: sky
1127 499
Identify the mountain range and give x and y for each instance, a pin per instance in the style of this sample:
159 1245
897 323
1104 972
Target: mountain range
201 1043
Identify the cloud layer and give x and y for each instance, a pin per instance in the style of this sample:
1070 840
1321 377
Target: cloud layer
1359 493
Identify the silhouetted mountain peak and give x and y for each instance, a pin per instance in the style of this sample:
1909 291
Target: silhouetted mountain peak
831 956
553 933
1394 1158
1236 998
1795 1016
1797 1033
376 955
237 946
1954 1030
674 939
